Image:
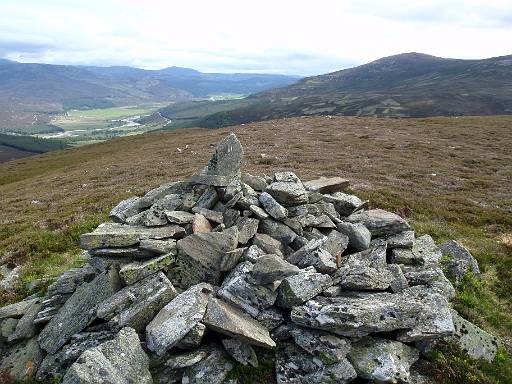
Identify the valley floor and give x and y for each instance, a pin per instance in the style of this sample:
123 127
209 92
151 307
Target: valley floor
451 177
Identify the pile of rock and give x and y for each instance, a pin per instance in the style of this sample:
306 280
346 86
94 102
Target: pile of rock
195 277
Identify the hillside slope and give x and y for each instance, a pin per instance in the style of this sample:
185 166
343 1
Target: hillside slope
405 85
30 93
398 164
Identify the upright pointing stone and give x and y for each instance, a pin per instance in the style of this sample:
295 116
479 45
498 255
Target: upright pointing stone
224 166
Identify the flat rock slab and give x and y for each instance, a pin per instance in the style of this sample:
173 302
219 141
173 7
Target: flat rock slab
177 318
416 311
17 309
383 360
474 341
423 252
121 360
327 184
78 311
133 272
269 268
380 222
135 305
288 193
121 235
297 289
225 319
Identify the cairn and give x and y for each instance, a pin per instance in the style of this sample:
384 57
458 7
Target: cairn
195 277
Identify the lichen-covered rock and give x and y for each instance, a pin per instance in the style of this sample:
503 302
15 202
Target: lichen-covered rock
21 361
179 217
241 352
135 305
297 289
382 360
177 318
277 230
327 184
344 203
327 347
55 366
380 222
159 247
458 261
276 210
240 289
78 311
17 309
359 236
25 327
289 192
268 244
418 313
125 209
257 183
423 252
322 260
211 369
121 360
474 341
295 366
133 272
228 320
247 228
270 268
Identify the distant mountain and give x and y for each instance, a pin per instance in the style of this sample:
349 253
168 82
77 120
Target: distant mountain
31 93
405 85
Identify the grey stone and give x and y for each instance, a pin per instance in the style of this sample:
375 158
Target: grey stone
212 369
231 217
133 272
297 289
17 309
288 193
137 219
10 277
21 361
419 313
231 259
208 249
473 340
255 182
135 305
245 202
270 318
380 222
179 217
336 244
458 261
228 320
155 216
270 268
177 318
126 208
208 199
159 247
25 327
344 203
7 328
268 244
403 239
327 347
310 247
424 252
359 236
231 203
327 184
276 210
215 216
322 260
156 194
241 352
296 366
259 212
240 289
233 189
285 176
382 360
193 338
121 361
55 366
277 230
314 209
252 253
78 311
122 253
121 235
431 276
247 228
187 359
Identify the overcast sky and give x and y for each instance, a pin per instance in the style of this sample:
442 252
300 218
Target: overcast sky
277 36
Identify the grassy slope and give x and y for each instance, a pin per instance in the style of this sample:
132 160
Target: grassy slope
450 176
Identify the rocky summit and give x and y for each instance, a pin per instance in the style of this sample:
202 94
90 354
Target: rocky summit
199 276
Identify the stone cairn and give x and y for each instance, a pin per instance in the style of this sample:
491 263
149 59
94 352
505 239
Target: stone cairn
195 277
